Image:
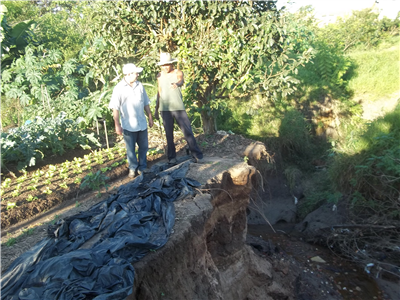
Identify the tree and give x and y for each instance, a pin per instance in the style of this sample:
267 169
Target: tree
362 27
225 49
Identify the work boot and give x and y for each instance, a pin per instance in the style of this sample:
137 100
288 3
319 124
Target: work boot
131 173
198 160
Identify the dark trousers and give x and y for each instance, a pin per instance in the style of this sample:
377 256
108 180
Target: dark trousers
183 122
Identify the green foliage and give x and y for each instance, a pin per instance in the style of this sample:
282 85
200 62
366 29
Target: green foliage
10 242
66 23
42 137
375 73
19 11
14 39
41 84
292 174
294 135
223 47
94 181
362 27
368 165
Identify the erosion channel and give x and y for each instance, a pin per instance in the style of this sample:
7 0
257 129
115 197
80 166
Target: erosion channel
237 239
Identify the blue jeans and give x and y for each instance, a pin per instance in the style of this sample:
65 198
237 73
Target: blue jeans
141 139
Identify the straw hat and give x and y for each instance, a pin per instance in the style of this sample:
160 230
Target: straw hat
166 59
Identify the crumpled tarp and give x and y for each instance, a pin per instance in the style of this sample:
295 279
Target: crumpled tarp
89 255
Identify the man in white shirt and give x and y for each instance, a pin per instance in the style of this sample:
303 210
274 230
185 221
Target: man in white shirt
129 101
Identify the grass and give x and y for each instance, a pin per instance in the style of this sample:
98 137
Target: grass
377 70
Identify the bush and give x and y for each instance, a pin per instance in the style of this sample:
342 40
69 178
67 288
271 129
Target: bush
42 137
368 167
294 135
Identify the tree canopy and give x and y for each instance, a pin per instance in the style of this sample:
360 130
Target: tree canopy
225 49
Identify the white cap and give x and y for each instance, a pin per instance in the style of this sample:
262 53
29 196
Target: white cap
131 68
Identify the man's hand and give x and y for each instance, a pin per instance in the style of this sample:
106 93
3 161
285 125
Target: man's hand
151 123
156 115
118 129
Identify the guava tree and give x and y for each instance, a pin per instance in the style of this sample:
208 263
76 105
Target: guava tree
225 49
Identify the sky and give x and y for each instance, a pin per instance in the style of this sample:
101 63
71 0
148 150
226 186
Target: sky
334 8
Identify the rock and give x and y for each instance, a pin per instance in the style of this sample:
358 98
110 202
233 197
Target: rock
317 259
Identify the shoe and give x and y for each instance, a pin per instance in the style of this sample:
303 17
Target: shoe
144 171
198 160
131 173
172 161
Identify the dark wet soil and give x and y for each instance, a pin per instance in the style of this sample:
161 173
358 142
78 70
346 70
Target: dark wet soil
331 275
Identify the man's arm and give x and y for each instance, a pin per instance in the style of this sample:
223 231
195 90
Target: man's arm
118 128
148 112
179 76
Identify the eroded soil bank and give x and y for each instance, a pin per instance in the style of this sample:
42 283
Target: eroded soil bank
213 253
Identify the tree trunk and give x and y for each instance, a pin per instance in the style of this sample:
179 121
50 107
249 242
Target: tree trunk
208 122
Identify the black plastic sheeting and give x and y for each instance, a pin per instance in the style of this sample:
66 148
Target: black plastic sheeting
89 255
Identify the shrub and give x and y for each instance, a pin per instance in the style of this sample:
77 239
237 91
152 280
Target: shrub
368 167
294 135
42 137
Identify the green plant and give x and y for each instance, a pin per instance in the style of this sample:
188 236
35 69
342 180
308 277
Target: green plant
294 135
31 198
6 183
154 152
42 137
105 169
94 181
47 191
63 185
245 47
32 187
11 205
367 167
21 179
28 231
15 193
10 242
